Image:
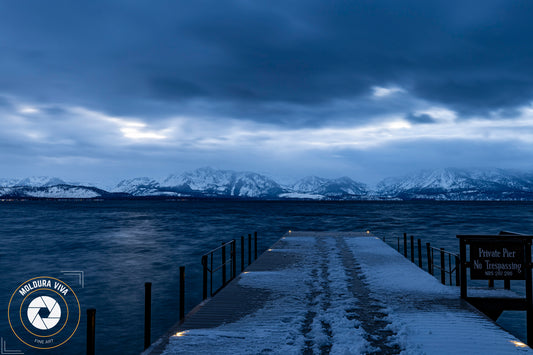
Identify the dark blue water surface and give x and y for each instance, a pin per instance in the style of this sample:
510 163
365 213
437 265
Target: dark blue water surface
120 245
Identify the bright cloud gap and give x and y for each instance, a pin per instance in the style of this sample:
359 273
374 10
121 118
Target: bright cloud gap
228 133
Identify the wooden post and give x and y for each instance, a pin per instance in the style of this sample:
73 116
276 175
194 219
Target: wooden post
428 251
91 325
412 250
442 267
182 292
491 283
147 314
405 245
507 284
419 242
204 289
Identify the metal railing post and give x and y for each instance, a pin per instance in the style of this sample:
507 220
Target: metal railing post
419 244
457 271
430 265
223 264
255 245
233 258
204 264
242 253
147 314
249 249
412 250
405 245
450 267
398 238
182 292
91 324
506 284
442 267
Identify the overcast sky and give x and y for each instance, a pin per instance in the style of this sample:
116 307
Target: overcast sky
100 90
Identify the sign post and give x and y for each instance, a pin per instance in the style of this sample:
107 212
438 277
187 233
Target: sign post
498 257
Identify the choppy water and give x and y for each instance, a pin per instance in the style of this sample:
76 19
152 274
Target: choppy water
119 245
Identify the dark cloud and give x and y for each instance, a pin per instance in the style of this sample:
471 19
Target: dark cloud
154 59
419 118
54 112
478 96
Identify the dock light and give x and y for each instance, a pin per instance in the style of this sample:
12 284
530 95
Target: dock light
367 232
290 231
180 334
518 344
269 250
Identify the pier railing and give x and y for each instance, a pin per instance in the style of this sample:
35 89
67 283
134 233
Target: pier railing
446 262
445 269
215 264
211 267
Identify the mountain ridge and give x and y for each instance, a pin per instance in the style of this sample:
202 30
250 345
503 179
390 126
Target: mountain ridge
448 184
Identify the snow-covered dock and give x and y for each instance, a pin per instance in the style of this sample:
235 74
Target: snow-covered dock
341 293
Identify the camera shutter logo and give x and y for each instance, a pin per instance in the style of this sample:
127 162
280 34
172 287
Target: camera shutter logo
37 317
44 312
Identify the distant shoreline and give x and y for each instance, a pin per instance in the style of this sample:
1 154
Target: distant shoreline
239 199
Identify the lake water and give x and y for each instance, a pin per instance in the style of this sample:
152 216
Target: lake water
120 245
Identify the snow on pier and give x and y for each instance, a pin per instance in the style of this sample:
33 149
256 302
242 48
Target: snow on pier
339 293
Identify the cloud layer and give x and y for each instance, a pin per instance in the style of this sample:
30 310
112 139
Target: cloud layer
286 86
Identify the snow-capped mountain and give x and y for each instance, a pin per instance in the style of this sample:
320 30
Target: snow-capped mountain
460 184
8 182
313 186
60 191
47 187
142 186
204 182
203 179
210 182
33 181
229 183
309 184
56 191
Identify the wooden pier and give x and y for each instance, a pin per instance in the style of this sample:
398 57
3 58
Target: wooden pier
338 292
